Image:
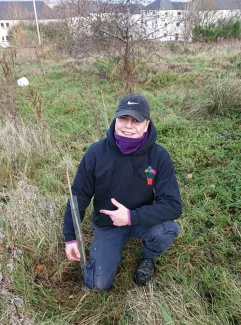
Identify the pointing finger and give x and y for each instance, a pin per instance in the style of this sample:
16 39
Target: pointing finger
116 203
108 212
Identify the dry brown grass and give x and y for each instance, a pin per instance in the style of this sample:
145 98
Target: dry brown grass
33 219
162 303
19 143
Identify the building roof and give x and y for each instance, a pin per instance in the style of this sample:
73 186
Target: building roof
204 5
220 4
84 8
166 5
24 10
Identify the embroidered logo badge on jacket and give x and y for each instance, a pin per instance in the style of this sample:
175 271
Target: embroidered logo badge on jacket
150 173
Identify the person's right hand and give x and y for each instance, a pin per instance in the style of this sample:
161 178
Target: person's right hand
72 251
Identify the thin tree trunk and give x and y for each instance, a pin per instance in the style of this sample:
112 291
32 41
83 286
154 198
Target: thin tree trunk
128 64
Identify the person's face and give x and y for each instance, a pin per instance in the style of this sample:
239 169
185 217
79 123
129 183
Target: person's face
128 126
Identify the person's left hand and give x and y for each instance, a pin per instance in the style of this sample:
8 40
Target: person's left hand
119 216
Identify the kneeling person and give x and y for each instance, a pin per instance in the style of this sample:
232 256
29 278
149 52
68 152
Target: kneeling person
135 194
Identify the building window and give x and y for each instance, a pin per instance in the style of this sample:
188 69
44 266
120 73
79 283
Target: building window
2 25
178 24
165 35
7 39
166 13
7 25
165 24
3 38
179 13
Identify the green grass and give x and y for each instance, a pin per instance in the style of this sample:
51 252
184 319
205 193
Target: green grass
198 280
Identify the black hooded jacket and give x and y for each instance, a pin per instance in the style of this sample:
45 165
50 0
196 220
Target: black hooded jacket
105 173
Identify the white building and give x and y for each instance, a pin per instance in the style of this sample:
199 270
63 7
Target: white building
14 12
169 21
212 10
162 19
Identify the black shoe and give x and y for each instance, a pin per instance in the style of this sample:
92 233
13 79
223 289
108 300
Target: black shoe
145 271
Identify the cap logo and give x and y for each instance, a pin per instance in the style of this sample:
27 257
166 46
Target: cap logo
132 103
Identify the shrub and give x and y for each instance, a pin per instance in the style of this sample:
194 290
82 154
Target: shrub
167 78
20 36
162 79
57 33
222 98
223 28
103 67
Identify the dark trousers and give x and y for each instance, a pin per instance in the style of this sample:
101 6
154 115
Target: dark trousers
107 245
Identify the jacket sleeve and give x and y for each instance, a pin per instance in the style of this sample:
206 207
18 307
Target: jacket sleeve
167 204
83 188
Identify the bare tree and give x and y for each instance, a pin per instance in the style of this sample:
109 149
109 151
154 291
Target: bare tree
116 27
16 11
191 18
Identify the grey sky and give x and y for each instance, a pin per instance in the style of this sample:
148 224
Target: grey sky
51 1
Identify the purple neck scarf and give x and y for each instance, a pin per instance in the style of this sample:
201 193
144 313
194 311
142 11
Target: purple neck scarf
129 145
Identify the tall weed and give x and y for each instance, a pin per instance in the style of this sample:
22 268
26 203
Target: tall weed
8 63
8 108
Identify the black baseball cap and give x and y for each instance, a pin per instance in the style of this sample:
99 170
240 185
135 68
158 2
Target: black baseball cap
134 105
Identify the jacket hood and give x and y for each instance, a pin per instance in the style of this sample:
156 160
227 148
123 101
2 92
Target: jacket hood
149 142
